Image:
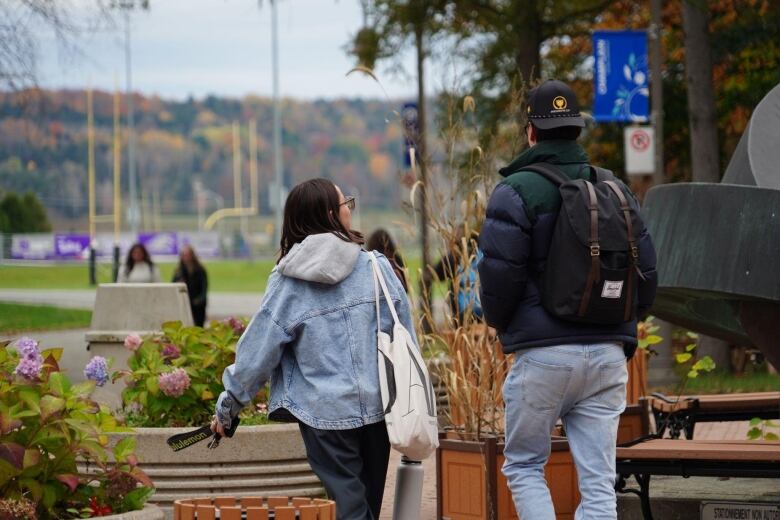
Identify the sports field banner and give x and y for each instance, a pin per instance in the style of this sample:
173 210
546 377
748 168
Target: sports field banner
32 246
71 246
161 243
205 243
620 77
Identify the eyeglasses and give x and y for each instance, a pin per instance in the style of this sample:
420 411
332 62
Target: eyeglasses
350 202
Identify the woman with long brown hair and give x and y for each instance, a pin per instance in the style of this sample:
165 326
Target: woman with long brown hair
192 273
138 267
381 241
315 337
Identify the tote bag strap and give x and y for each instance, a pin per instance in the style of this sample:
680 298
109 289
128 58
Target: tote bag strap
376 295
378 277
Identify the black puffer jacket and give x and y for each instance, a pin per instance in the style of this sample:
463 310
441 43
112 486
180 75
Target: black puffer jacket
515 239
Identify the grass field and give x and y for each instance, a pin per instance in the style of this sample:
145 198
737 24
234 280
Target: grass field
240 276
17 318
224 276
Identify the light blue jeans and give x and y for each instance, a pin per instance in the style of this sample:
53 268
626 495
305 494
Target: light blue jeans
584 385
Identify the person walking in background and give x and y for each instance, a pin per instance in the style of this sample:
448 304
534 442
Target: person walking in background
192 273
381 241
565 366
315 337
460 264
138 267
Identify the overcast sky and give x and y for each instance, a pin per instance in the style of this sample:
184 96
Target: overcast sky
200 47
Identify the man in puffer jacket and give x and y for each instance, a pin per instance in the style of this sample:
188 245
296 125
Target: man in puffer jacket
562 369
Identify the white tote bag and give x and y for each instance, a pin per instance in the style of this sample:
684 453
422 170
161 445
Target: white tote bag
408 398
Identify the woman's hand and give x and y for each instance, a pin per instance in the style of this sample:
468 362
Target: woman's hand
217 427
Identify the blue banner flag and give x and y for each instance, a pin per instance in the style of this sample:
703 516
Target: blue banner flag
620 76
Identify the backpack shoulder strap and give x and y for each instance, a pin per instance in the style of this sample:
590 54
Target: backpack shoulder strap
549 171
602 174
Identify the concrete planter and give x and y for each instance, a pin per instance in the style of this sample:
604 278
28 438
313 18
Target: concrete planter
265 461
150 512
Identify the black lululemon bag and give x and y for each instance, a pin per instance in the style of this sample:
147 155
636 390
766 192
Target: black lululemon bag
593 262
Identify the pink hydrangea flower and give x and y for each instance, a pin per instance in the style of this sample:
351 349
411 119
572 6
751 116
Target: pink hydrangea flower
175 383
170 351
132 342
236 324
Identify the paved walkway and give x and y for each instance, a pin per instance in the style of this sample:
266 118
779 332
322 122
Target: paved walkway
221 304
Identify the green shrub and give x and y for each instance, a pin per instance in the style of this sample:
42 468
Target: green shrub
50 430
175 377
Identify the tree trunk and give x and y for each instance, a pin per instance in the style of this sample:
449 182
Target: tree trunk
422 159
705 166
701 97
528 34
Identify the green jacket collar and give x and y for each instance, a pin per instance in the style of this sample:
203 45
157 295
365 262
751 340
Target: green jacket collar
554 152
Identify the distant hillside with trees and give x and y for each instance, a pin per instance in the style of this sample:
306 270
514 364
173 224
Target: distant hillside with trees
43 147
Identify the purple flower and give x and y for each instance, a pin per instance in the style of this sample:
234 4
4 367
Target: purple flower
170 351
97 370
236 324
173 384
27 347
29 367
31 361
132 342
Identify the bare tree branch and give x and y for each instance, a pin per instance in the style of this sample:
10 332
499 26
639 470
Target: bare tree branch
23 21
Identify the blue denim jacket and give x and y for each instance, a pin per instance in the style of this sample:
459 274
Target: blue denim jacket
314 336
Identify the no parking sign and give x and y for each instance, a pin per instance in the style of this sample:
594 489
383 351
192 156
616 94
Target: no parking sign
640 149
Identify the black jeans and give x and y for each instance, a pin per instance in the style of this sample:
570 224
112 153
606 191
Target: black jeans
198 314
352 465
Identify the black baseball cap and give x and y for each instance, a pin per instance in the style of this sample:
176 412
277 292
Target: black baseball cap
553 104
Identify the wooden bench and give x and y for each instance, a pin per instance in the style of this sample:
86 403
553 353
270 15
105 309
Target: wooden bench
649 456
682 416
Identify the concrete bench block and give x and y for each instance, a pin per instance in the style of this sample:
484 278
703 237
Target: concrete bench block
125 308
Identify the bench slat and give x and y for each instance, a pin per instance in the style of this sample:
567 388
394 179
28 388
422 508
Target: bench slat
721 401
674 449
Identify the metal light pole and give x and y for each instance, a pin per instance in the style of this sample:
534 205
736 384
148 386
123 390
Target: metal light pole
133 213
117 184
277 143
91 186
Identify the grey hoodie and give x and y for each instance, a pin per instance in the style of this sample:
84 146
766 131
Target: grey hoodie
323 258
